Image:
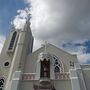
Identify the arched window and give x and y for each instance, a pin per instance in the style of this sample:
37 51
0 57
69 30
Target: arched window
57 69
1 83
12 41
58 65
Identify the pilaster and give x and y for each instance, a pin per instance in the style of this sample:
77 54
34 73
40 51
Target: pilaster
74 80
15 80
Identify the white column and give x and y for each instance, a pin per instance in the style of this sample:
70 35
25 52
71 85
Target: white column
80 76
15 80
38 67
74 80
52 74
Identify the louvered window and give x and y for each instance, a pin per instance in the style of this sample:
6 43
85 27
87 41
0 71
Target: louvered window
12 41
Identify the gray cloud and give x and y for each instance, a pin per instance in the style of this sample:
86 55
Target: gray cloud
59 21
63 19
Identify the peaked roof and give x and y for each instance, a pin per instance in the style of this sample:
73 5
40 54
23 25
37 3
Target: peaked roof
53 46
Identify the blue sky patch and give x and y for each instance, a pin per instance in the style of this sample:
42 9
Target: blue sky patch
8 9
71 45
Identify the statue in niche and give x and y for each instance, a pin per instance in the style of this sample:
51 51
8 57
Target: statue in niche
45 69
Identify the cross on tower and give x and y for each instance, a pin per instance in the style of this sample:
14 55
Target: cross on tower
28 14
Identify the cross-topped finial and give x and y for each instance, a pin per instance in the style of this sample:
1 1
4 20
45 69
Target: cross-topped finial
12 26
45 47
28 14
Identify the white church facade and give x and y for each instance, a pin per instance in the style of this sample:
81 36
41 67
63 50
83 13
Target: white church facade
48 68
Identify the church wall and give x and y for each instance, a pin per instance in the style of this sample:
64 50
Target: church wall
84 66
21 51
59 85
86 74
6 56
63 56
31 62
4 53
26 85
30 65
26 42
63 85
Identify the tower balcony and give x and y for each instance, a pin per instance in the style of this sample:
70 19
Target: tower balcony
44 80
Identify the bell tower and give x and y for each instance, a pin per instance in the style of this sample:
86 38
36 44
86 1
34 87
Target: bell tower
7 54
14 53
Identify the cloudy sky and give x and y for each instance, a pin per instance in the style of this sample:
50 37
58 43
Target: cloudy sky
64 23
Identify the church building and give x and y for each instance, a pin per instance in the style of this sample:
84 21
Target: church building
48 68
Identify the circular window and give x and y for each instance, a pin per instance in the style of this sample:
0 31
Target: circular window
6 64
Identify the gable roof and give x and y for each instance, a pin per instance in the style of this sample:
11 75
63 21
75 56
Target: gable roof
62 55
53 46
